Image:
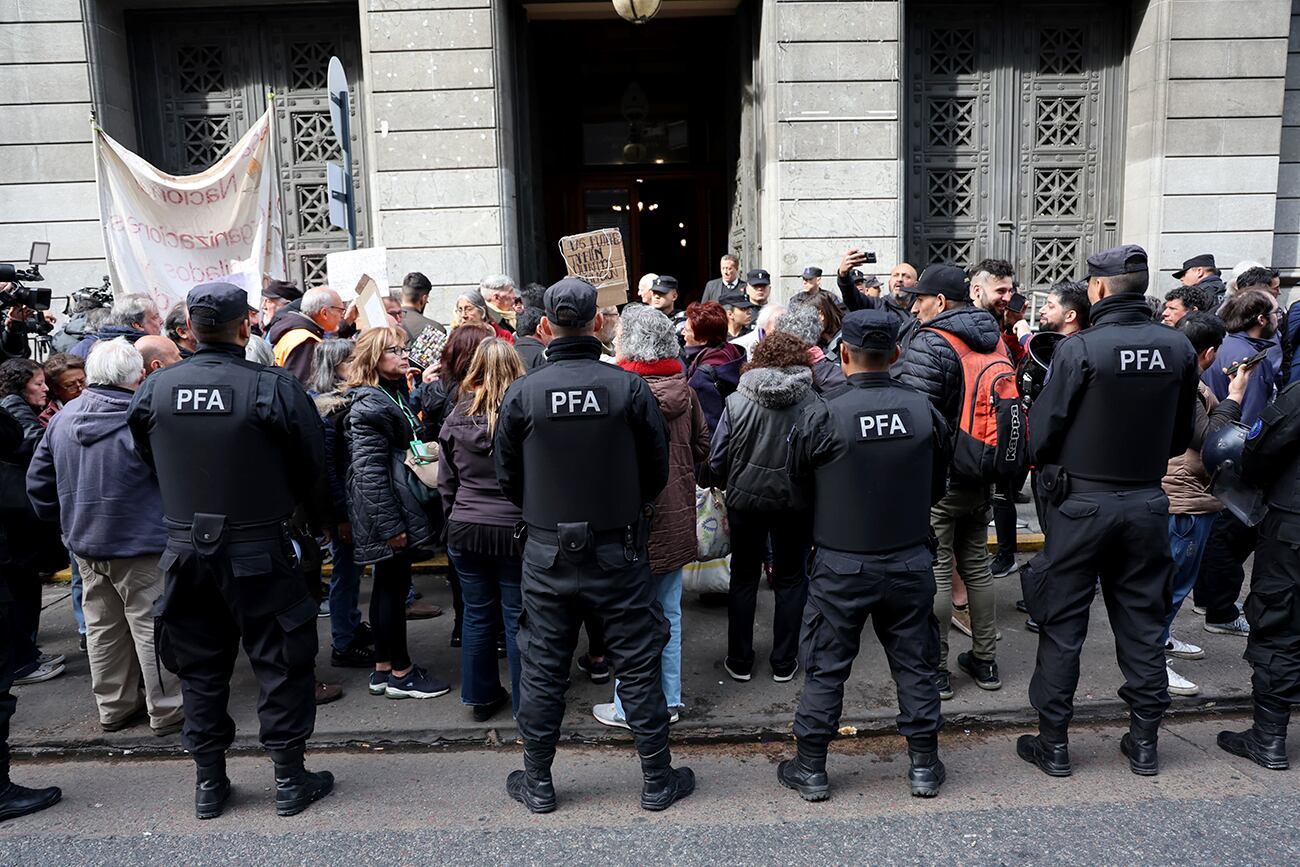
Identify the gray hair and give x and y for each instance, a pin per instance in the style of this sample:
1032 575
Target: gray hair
495 283
326 358
646 281
259 351
316 301
802 321
114 362
131 310
645 334
768 315
474 298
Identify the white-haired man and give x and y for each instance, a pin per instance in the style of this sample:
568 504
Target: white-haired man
498 290
87 475
296 333
132 317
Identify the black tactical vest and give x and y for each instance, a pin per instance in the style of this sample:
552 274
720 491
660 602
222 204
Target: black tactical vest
211 448
874 495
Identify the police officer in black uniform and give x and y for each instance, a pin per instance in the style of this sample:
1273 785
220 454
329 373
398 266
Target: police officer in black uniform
236 447
1271 461
871 440
582 448
1117 405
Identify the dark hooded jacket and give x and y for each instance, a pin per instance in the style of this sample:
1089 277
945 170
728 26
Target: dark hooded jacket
1215 289
299 360
87 476
467 474
750 445
714 372
379 502
333 408
931 365
107 332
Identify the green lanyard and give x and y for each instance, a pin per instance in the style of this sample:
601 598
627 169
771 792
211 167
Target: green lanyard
406 411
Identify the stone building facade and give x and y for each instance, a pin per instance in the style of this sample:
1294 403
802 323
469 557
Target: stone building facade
782 130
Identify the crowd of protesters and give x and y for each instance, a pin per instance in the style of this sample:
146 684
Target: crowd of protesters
731 375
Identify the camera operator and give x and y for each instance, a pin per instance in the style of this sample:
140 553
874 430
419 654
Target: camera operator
13 341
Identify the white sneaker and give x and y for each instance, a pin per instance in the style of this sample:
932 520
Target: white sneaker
607 716
43 672
673 715
51 659
1179 685
1199 609
1182 649
1237 627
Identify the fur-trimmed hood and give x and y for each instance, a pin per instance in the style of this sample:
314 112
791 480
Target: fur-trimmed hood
776 387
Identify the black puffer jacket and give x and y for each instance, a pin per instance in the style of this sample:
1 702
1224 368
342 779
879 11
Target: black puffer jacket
379 502
931 365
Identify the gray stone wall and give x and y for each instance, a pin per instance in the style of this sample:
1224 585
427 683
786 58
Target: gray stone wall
1286 225
47 169
435 140
1205 129
831 123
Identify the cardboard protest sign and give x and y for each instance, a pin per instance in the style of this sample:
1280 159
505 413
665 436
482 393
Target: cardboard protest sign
598 258
370 304
164 233
345 269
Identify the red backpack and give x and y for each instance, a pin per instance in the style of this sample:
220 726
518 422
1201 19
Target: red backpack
991 439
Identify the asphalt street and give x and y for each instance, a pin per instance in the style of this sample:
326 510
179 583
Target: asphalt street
449 806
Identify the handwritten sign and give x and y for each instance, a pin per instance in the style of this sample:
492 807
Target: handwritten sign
346 268
598 258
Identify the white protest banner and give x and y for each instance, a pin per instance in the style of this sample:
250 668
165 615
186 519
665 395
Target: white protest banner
344 270
598 258
165 233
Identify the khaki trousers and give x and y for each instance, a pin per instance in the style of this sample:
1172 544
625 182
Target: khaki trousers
961 522
118 597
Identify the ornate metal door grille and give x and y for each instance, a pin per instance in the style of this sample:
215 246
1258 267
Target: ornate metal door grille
1014 117
201 83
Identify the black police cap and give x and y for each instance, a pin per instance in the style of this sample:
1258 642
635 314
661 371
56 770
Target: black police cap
758 277
213 304
811 272
663 284
1205 260
283 290
946 280
1128 259
571 302
736 298
870 329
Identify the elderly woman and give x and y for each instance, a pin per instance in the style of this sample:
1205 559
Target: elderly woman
712 364
470 307
65 377
647 346
804 321
748 456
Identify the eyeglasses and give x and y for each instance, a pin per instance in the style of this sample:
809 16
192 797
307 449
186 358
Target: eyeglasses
399 351
339 309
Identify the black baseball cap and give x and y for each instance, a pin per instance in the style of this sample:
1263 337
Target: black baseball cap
870 329
663 284
758 277
811 272
1128 259
571 302
283 290
214 304
736 298
946 280
1204 260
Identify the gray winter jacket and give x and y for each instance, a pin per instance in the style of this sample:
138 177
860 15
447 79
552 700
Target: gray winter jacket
748 454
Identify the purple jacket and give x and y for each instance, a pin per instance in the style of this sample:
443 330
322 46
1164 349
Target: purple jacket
87 475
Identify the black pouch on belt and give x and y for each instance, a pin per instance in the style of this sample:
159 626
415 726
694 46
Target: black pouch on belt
574 538
208 534
1055 482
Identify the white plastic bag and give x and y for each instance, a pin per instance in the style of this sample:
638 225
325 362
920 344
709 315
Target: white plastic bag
712 535
709 576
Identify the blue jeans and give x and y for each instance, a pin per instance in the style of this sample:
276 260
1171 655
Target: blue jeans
1187 537
668 591
488 585
345 588
76 596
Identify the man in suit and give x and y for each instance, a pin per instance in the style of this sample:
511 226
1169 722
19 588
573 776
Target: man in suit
730 279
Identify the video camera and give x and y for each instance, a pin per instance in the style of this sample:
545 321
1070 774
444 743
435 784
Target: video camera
19 295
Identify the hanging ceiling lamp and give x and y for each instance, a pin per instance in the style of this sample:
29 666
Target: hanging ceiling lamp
637 11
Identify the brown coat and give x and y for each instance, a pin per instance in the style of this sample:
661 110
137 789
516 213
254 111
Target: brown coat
1186 482
672 534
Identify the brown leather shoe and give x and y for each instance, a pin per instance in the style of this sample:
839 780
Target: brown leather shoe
327 692
422 611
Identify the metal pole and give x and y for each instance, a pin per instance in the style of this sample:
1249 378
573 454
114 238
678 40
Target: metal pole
345 121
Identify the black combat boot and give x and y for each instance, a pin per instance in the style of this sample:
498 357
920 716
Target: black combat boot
663 785
806 774
16 800
927 773
1051 757
532 786
1140 744
1264 743
212 787
297 788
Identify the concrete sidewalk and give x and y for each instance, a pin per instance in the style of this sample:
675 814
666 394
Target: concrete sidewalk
60 716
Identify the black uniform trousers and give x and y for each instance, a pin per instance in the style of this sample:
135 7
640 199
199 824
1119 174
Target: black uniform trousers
560 587
1218 585
1123 537
8 704
1273 610
896 591
249 591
